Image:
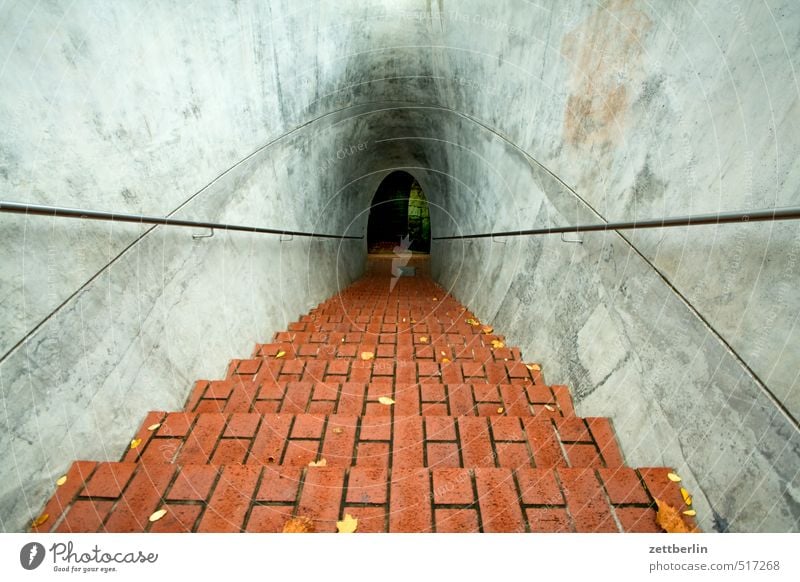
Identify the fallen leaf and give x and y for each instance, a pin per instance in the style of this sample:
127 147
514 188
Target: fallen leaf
40 520
473 321
690 512
673 477
487 329
500 410
687 499
533 367
423 340
270 459
348 525
404 320
435 299
497 344
158 515
412 320
443 353
386 400
367 355
320 463
670 520
299 524
135 443
281 353
445 360
153 427
61 480
550 408
338 430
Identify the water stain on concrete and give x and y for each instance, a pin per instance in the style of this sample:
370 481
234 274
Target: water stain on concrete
606 53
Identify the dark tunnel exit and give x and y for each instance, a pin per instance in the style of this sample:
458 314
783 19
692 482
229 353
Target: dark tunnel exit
399 216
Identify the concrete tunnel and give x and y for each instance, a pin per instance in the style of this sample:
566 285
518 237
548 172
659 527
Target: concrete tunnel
289 115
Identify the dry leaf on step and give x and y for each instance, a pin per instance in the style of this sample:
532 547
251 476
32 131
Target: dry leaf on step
473 321
135 443
153 427
61 480
40 520
497 344
673 477
687 499
690 512
386 400
423 340
533 367
299 524
280 354
445 360
348 525
487 329
550 408
367 355
320 463
158 515
670 520
500 410
338 430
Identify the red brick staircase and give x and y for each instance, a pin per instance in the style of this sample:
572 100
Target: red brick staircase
475 440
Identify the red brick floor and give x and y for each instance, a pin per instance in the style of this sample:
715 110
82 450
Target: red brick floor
476 440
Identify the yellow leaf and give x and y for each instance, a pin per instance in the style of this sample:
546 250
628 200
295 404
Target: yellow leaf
386 400
320 463
412 320
423 340
673 477
280 354
435 299
135 443
473 321
153 427
500 410
367 356
299 524
670 520
61 480
40 520
348 525
533 367
550 408
487 329
443 353
687 499
445 360
690 512
497 344
158 515
338 430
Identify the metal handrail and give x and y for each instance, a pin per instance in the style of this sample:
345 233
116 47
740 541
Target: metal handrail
787 213
43 210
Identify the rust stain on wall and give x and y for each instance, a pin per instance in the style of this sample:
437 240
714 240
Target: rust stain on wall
605 52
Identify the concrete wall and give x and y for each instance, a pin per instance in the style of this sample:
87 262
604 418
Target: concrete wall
687 337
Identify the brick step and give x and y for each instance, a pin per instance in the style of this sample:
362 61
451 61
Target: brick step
385 441
431 324
384 370
252 394
399 346
120 497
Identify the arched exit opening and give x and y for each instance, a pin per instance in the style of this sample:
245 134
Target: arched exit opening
399 216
